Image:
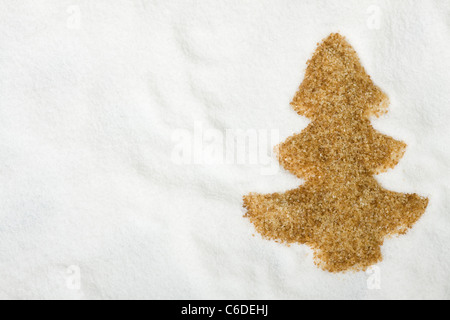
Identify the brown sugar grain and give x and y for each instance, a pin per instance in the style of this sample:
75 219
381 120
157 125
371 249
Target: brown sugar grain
341 212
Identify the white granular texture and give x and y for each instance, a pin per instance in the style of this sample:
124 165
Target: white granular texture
91 92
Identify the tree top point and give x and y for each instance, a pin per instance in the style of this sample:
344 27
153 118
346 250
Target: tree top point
336 77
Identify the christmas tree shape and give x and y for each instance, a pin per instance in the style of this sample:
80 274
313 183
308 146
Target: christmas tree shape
341 211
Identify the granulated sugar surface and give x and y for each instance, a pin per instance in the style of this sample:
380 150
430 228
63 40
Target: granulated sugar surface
94 96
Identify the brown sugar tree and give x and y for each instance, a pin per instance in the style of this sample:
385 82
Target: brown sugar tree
341 211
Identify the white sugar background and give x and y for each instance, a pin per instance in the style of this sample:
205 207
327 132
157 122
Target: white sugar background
92 91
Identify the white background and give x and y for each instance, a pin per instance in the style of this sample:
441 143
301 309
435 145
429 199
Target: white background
92 205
